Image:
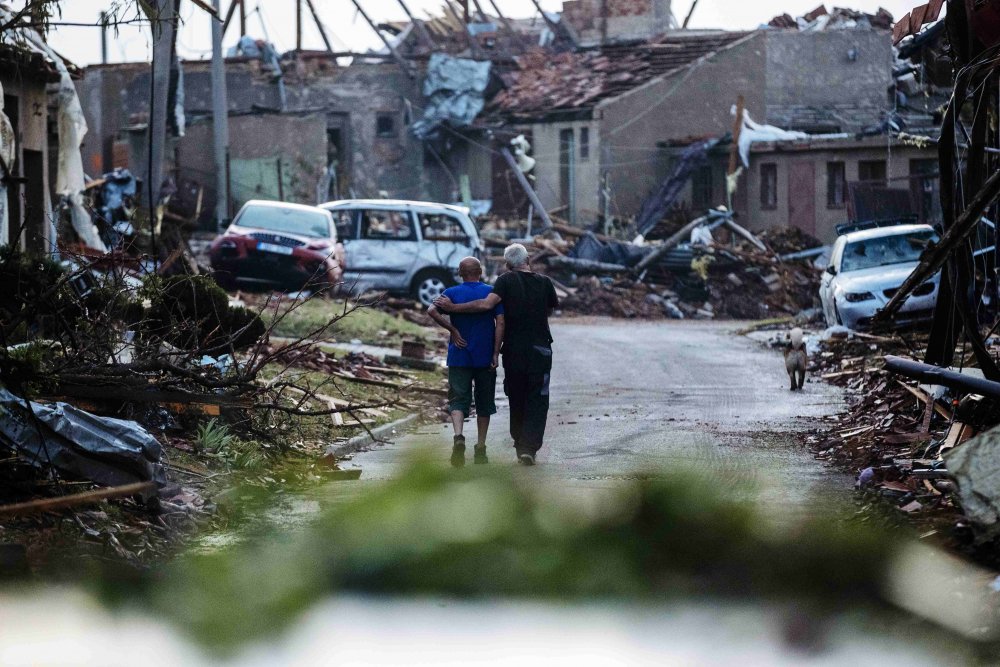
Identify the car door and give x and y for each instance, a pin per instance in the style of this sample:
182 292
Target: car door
385 248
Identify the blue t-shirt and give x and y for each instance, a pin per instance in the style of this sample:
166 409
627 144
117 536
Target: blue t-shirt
476 328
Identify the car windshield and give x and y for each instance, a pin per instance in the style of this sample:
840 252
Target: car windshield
288 220
886 250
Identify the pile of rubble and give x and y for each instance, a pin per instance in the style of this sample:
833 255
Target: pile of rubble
839 18
919 447
730 277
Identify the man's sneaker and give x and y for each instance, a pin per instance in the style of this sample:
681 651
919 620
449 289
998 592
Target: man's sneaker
526 459
458 452
480 455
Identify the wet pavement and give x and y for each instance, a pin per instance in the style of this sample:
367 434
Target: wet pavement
631 398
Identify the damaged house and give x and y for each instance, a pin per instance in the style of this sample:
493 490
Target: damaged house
608 124
318 131
29 148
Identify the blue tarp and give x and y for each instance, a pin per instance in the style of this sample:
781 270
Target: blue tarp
454 92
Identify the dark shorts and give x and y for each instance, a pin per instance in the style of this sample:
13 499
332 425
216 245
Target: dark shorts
461 392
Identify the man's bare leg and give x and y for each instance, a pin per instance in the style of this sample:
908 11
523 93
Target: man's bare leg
483 427
458 450
458 421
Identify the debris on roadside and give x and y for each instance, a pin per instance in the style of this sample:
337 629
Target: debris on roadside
709 268
925 449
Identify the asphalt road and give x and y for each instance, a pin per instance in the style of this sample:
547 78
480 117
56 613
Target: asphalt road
632 398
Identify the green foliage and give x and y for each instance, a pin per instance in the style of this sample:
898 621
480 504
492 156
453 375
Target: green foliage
497 533
193 313
212 436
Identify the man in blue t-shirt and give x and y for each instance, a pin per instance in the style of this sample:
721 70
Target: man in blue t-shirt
473 355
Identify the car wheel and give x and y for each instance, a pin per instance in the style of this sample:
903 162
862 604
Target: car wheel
429 286
836 315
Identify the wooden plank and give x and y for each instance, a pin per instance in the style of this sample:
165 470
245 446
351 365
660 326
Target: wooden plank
925 399
76 499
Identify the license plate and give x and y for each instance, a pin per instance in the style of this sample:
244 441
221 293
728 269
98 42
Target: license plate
271 247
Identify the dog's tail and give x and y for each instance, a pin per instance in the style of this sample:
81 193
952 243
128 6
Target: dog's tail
796 337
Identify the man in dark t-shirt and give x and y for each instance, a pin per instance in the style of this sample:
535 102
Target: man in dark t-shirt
528 299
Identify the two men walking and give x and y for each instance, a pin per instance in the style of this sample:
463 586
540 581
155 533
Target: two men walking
473 353
527 300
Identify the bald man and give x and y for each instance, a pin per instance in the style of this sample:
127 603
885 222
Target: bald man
473 355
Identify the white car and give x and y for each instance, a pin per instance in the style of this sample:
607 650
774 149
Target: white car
404 247
867 267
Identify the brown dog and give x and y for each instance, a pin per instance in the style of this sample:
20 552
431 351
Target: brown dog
796 359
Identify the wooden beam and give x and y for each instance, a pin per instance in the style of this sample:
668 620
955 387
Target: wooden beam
392 49
76 499
319 26
526 186
419 26
674 240
687 19
518 37
229 16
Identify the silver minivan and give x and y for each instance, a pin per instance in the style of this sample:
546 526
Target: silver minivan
403 247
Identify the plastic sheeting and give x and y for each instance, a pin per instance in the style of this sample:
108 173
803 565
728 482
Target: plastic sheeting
117 196
753 132
454 90
79 444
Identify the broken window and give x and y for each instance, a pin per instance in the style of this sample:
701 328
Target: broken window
387 226
836 184
769 186
584 143
701 188
346 222
872 171
441 227
385 125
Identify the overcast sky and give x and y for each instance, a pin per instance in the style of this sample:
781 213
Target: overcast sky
348 30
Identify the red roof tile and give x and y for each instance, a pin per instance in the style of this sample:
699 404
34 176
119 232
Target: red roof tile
547 83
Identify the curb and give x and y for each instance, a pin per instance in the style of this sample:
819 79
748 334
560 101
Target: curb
359 441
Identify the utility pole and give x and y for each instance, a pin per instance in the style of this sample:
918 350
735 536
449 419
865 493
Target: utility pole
164 32
298 25
220 125
104 38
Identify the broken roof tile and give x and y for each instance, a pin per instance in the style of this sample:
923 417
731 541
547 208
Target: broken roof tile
544 83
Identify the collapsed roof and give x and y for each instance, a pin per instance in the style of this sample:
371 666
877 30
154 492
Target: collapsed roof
547 84
839 19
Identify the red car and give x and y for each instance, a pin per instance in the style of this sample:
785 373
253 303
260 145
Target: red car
279 246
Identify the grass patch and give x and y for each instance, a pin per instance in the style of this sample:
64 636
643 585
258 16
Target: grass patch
366 324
